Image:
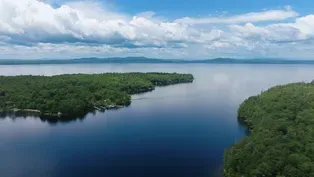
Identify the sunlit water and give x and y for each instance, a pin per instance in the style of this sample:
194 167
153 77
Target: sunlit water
174 131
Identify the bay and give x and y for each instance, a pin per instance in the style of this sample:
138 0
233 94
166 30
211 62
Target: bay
175 131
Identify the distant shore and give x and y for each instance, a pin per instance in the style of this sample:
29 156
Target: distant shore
143 60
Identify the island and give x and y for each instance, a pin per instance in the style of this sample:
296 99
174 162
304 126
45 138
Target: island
281 141
78 94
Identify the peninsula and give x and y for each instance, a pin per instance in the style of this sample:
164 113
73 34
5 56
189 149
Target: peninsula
75 94
281 144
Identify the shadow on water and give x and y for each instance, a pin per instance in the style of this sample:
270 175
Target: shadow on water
43 118
52 119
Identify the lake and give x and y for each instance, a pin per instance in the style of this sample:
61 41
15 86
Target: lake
174 131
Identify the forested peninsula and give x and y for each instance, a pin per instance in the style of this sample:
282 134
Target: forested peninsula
77 94
281 144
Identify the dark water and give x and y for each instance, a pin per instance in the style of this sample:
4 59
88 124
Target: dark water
175 131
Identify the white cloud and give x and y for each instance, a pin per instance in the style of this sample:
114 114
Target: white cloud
31 21
302 29
270 15
87 28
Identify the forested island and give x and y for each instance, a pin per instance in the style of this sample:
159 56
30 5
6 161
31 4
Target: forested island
77 94
281 144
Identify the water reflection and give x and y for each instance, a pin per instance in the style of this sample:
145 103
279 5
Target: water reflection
43 118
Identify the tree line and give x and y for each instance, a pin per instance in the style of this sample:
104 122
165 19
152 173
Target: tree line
281 144
79 93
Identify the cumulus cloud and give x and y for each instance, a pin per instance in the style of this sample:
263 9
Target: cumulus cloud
38 29
30 22
301 30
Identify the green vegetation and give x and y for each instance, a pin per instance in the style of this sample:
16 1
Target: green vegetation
281 143
78 93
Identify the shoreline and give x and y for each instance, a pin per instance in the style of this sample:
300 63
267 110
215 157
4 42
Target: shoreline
59 114
79 94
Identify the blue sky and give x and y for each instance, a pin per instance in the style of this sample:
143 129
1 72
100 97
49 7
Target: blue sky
190 29
179 8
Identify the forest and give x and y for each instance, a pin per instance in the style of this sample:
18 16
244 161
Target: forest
73 94
281 141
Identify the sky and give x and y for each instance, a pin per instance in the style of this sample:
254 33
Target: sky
176 29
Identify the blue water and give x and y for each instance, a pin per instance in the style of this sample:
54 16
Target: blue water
175 131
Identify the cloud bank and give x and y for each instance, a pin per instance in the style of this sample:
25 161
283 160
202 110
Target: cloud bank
36 29
270 15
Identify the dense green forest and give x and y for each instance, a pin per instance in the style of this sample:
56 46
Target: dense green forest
78 93
281 144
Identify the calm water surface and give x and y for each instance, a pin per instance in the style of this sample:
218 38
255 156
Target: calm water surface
174 131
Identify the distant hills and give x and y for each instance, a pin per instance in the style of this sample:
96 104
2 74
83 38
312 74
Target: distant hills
130 60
